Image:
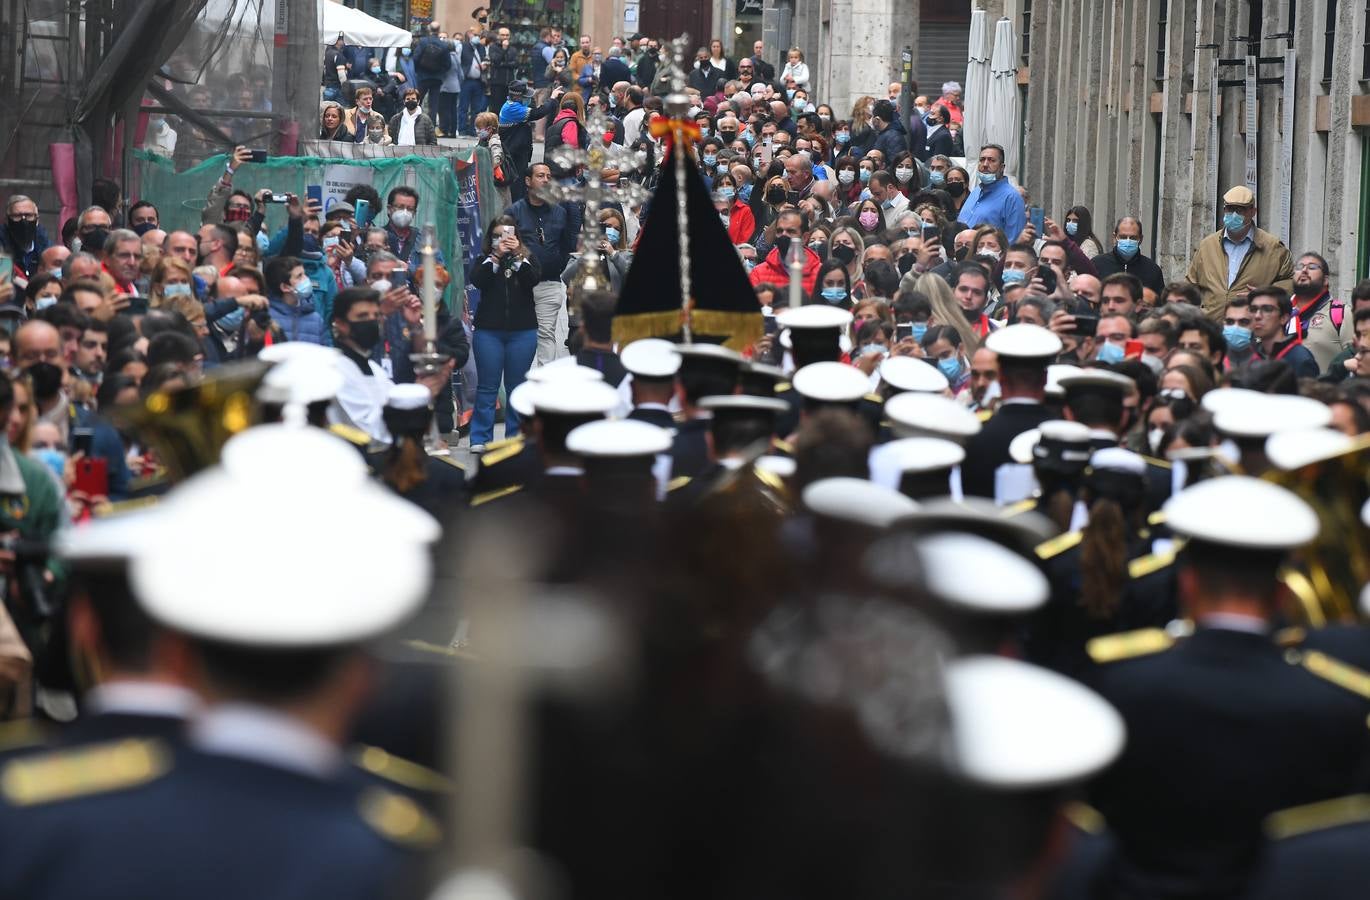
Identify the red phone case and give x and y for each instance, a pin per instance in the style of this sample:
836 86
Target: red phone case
92 477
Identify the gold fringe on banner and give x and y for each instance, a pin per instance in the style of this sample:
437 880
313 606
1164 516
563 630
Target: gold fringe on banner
636 326
742 329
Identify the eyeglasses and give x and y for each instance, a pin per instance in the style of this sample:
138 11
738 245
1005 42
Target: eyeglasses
1308 267
1264 310
25 217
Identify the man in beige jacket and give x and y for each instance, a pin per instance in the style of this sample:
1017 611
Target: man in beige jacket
1230 262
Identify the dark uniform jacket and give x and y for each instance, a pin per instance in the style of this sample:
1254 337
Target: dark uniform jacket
1223 729
988 450
690 448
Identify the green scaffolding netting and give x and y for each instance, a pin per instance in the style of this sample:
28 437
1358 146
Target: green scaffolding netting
180 196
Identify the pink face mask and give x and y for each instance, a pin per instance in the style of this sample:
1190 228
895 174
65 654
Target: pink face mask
868 220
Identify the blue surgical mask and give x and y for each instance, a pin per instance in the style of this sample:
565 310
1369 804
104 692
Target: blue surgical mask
868 349
1072 228
936 178
744 193
53 458
56 273
1237 337
304 289
749 136
375 70
988 178
1014 276
919 329
1110 353
611 234
1233 221
1127 247
834 294
789 93
230 323
175 290
949 367
843 137
710 159
45 302
864 175
727 193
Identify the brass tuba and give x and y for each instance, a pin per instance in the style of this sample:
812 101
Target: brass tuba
1326 576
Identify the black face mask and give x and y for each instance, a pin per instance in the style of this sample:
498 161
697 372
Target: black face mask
411 104
23 231
47 379
906 262
954 188
366 335
143 228
843 253
728 136
775 196
93 239
782 243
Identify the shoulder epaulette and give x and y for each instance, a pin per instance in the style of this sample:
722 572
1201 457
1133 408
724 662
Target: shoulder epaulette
1019 508
350 434
504 442
1330 669
677 483
1157 461
769 479
1084 817
385 765
1059 544
83 771
984 415
783 446
1318 816
874 398
783 386
1143 566
1156 518
1129 645
1290 637
500 454
398 819
482 499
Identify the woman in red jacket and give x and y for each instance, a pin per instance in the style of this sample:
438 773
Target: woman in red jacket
737 216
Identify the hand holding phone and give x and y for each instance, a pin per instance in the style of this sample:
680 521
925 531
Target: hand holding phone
1037 217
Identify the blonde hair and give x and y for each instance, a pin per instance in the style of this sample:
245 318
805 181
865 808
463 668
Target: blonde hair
487 120
946 311
165 268
860 113
24 442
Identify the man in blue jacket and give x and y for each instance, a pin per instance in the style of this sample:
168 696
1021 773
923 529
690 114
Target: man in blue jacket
550 232
21 237
290 295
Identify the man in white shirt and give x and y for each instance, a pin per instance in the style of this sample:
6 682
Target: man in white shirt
366 383
632 120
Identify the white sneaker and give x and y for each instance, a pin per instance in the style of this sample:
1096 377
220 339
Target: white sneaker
477 448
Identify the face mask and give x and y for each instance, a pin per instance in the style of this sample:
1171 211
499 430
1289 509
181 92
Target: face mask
1233 222
992 254
919 329
613 101
1154 438
744 193
411 104
846 176
1014 276
304 289
375 70
45 302
710 159
46 377
868 349
936 179
789 93
378 135
903 174
94 239
56 273
834 294
782 245
868 220
905 263
175 290
865 175
1127 247
844 253
23 232
749 136
727 193
1072 228
401 218
1110 353
824 119
365 335
949 367
955 189
406 51
482 133
1237 337
888 204
988 178
758 165
922 110
775 196
330 241
612 235
382 285
724 218
53 458
843 137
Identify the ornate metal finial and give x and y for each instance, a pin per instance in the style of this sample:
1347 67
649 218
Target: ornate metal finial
676 69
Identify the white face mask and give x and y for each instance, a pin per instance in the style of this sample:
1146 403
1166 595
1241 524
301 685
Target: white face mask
846 176
402 218
1153 438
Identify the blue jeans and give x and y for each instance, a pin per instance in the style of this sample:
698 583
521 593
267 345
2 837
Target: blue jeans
472 102
332 93
506 355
